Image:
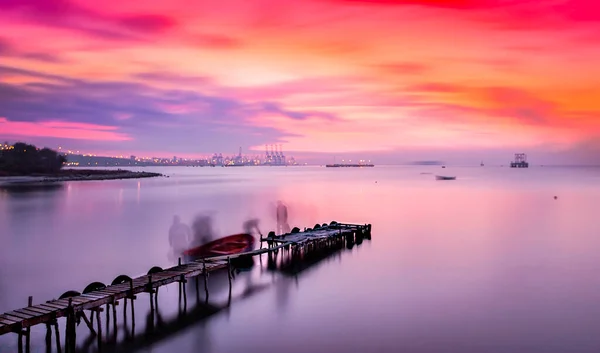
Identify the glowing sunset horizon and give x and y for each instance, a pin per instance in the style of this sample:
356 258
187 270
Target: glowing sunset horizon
379 79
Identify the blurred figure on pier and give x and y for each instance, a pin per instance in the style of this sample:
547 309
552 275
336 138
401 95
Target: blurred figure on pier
202 228
180 236
251 225
282 218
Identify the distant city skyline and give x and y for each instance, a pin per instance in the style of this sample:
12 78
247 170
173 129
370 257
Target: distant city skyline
541 156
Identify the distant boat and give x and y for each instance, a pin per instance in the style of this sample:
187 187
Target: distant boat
482 163
440 177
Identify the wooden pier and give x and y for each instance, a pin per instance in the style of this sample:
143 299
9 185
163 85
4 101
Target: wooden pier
304 247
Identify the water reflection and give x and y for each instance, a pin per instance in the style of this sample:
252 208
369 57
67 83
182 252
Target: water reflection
159 327
492 261
29 190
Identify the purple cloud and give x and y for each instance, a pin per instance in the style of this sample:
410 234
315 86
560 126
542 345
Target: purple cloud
173 119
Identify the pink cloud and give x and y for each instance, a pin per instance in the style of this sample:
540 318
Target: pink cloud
66 130
148 22
435 88
405 68
215 41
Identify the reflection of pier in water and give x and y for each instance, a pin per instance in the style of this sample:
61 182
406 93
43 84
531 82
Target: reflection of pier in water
290 253
157 329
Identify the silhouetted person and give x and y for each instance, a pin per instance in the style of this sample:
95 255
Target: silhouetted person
282 218
202 230
180 236
250 225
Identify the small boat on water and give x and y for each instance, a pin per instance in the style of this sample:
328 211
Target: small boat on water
441 177
230 245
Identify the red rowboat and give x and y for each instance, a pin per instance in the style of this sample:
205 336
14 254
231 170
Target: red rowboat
230 245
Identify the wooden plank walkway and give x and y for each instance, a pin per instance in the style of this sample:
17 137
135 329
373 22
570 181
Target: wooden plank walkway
16 320
22 319
302 237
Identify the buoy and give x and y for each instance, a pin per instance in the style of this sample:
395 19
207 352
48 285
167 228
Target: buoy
555 197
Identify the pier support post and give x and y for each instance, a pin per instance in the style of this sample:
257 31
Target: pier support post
99 336
205 278
229 270
132 298
150 291
114 310
71 332
28 331
48 337
182 282
89 323
20 343
57 333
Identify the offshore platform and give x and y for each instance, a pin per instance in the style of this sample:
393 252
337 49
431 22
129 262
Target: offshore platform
520 161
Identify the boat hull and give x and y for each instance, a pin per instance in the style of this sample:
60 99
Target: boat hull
230 245
440 177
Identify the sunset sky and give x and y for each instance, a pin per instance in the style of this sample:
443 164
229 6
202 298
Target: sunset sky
394 80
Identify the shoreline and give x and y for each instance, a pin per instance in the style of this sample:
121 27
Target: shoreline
75 175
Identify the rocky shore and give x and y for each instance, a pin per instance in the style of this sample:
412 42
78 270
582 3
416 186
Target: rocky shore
74 174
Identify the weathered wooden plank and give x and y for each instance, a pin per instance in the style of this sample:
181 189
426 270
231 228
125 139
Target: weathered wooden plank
166 274
95 295
8 328
11 317
39 310
74 300
7 321
55 305
29 312
111 289
20 315
104 293
123 286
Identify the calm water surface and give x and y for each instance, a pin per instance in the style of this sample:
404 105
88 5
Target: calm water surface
490 262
